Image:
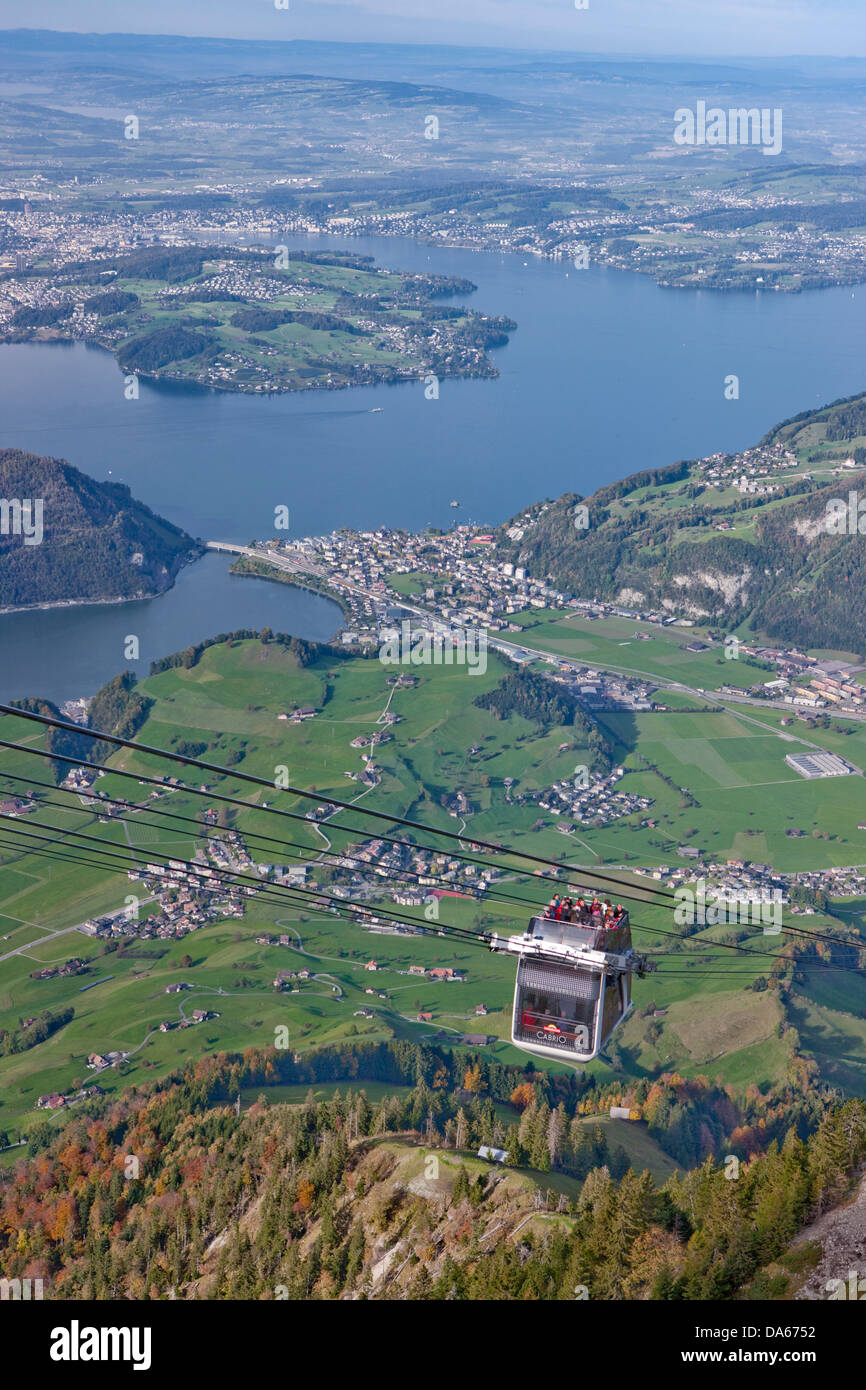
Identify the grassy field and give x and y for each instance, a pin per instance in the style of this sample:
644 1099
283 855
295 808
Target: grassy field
659 653
642 1150
230 701
721 1031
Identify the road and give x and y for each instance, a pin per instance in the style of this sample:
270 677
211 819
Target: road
29 945
63 931
280 560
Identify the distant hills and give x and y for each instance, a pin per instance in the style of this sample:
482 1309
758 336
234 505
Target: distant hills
88 542
689 541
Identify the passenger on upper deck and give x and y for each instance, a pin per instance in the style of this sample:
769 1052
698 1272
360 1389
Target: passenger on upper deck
613 920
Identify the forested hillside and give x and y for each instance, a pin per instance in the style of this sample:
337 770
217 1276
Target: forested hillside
169 1192
97 541
533 697
704 540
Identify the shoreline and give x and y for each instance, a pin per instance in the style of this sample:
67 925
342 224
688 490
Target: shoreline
552 255
161 378
82 603
331 596
191 559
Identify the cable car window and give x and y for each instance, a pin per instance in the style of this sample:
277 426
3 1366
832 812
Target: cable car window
558 1003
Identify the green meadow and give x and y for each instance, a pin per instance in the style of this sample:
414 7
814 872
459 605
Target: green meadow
659 653
229 705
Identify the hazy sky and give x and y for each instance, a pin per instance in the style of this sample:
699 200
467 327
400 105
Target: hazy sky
771 27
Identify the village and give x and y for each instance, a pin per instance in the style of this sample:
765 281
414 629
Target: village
750 472
590 799
460 584
739 879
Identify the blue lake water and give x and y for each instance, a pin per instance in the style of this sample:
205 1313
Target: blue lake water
606 373
60 653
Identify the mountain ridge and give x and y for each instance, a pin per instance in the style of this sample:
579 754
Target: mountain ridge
743 540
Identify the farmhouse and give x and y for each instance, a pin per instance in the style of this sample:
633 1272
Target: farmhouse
51 1102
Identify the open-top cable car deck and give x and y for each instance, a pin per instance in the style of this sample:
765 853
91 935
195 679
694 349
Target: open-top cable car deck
573 985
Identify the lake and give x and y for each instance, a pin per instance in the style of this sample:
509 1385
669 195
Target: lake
606 373
61 653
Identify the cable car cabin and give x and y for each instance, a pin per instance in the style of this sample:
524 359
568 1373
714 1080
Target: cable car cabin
573 986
